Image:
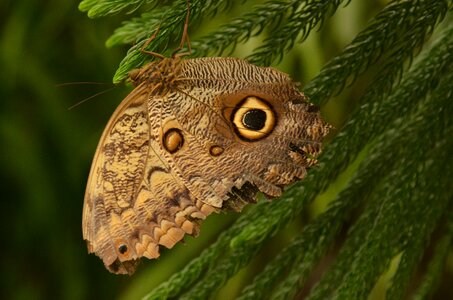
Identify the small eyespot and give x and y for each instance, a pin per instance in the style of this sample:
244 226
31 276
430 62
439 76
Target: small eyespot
173 140
216 150
253 119
122 249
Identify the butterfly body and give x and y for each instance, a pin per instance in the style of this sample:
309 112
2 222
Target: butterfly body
195 136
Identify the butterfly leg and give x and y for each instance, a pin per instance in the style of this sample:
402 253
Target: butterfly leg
184 38
148 41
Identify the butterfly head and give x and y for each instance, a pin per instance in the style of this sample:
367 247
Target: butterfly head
160 75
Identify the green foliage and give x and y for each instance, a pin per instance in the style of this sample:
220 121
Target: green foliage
100 8
398 201
166 19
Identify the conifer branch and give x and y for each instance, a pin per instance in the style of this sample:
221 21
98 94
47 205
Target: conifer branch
417 218
299 24
168 20
217 276
388 234
411 82
413 213
101 8
193 271
408 262
141 28
307 14
402 24
437 263
374 116
309 247
440 110
136 29
242 28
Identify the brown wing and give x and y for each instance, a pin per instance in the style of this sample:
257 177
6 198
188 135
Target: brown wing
133 202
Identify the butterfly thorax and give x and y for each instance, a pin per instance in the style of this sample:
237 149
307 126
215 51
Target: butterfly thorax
159 75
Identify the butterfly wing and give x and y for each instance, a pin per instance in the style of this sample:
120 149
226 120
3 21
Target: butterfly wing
133 201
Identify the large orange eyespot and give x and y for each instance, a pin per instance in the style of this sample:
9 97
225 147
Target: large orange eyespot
253 119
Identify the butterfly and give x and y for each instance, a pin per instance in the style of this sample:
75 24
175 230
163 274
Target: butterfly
195 136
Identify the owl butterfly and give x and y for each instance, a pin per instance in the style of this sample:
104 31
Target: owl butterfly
194 137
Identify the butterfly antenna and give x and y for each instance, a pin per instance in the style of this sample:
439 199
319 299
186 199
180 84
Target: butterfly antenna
91 97
81 83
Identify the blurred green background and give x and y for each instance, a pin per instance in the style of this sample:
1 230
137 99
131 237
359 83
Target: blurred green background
46 149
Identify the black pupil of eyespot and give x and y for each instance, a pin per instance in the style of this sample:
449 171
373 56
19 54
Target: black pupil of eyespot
254 119
122 249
